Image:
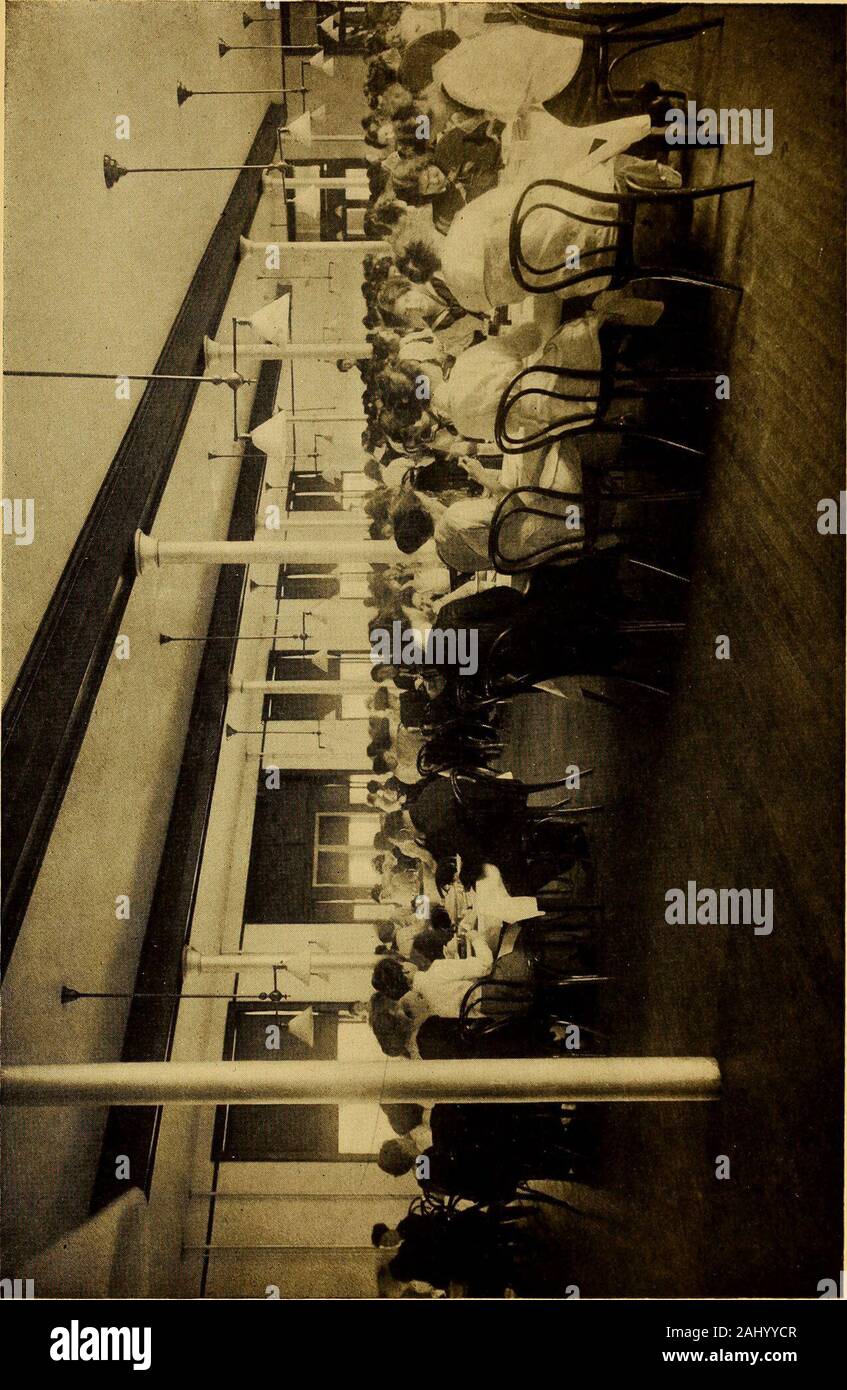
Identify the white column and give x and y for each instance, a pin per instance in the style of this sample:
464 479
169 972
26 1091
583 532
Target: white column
354 523
152 553
246 247
328 417
215 352
323 181
516 1081
294 687
250 960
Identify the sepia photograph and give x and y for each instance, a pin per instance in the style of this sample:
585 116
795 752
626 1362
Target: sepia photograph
423 759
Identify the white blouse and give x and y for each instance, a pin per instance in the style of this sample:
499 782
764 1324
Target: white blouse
444 985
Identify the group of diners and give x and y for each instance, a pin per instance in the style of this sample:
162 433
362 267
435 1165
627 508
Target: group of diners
481 948
475 1165
459 130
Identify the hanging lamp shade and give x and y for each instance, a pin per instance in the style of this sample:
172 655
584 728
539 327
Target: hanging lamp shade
331 26
302 1026
273 321
301 128
300 966
272 436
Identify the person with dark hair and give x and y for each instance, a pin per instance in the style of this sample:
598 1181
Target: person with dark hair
403 1118
440 924
378 181
385 932
418 180
413 527
401 881
427 947
393 977
469 158
445 1249
384 1237
443 985
418 261
393 98
394 825
380 221
379 745
382 73
483 1152
392 1027
379 134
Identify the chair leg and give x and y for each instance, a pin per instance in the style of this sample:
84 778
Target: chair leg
651 625
643 436
642 685
713 190
543 814
656 569
546 786
687 277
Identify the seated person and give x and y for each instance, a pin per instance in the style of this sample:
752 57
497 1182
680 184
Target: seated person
461 531
381 76
400 1032
483 1152
463 1248
404 1117
459 168
467 395
475 258
399 884
471 393
421 306
444 983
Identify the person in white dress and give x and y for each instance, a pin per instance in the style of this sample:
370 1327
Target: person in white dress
475 261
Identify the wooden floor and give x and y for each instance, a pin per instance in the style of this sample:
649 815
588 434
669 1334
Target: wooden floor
739 781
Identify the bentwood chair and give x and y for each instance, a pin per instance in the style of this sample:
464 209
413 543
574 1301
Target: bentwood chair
482 794
614 262
584 410
604 27
551 835
471 743
533 526
492 1006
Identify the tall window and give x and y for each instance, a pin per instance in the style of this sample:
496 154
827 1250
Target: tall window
344 848
298 1133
